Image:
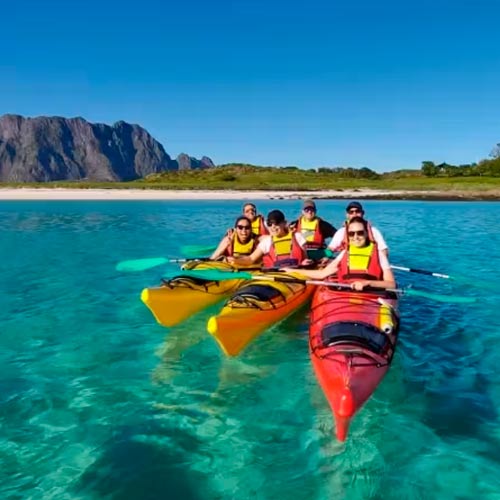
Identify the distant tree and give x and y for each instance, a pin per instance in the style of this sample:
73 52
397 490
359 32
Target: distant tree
429 169
495 152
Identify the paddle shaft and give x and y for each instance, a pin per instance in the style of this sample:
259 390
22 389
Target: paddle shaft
421 271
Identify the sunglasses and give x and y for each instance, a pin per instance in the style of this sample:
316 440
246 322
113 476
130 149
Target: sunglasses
243 227
309 209
273 223
356 233
250 210
355 211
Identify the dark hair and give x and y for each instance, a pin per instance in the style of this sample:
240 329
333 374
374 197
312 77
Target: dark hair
276 216
242 217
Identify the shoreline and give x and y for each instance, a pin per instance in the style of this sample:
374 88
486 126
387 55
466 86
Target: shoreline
47 194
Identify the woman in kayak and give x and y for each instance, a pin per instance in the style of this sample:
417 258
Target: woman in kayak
238 241
362 264
282 247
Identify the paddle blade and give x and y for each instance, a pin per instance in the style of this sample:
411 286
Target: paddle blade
140 264
197 250
449 299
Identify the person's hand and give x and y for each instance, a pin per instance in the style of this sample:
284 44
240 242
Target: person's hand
307 262
229 233
292 226
323 262
230 260
359 285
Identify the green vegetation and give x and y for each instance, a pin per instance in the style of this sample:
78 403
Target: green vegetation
481 180
250 177
485 168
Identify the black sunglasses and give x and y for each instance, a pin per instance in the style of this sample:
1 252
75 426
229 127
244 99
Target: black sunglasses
273 223
239 226
356 233
355 211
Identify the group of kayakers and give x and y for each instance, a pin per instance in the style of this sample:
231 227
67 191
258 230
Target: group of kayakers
363 257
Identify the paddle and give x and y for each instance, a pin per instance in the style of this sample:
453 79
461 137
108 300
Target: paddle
215 275
197 250
422 271
458 279
143 264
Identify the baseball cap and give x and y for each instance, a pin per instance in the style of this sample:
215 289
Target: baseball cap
309 204
354 204
276 216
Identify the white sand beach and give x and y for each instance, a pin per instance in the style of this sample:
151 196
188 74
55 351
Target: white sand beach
155 194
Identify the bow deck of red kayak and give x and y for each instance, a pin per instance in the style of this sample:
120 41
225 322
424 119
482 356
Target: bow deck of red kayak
352 341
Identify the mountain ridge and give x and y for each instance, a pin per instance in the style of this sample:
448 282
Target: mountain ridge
52 148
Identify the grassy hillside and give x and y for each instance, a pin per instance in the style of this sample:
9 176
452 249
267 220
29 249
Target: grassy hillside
248 177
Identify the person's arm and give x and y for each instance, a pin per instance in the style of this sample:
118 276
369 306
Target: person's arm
388 280
326 229
337 240
293 225
247 260
221 249
379 240
317 274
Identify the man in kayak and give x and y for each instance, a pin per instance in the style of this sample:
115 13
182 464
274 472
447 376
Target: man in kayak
257 220
282 247
340 240
238 241
362 263
314 229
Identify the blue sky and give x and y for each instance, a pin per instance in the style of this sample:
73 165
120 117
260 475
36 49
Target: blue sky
382 84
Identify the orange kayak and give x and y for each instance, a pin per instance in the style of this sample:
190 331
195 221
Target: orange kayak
255 307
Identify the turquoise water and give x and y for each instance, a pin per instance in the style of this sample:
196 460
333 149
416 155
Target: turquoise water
98 401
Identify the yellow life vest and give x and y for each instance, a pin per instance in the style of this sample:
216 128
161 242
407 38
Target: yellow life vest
359 258
283 244
256 226
242 248
308 228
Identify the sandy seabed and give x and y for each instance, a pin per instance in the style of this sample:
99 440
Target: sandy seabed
155 194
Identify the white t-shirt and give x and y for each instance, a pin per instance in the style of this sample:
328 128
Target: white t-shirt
338 239
266 242
384 261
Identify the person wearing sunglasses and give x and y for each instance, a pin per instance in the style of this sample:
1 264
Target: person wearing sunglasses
361 264
282 247
240 241
257 220
340 239
314 229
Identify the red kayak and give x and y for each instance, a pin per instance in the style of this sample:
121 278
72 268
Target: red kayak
352 339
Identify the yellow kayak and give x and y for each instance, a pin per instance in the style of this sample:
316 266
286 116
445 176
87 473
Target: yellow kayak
180 297
253 308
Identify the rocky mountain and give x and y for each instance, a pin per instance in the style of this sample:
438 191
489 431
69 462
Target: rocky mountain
54 148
